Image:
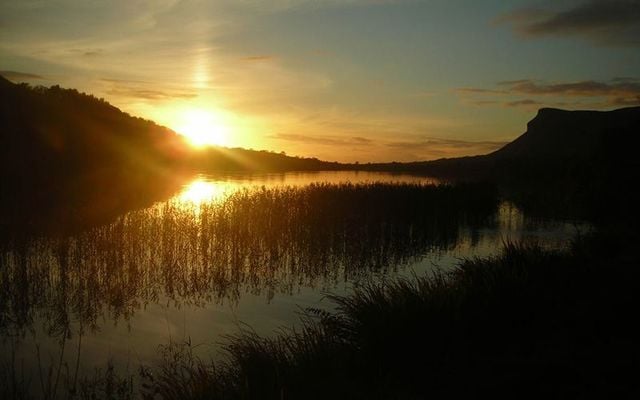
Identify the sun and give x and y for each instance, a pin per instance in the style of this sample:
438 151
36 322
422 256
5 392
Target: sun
203 128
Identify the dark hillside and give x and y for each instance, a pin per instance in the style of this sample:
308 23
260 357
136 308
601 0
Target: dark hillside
239 159
70 159
581 163
584 161
64 148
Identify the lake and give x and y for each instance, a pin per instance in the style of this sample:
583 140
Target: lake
231 251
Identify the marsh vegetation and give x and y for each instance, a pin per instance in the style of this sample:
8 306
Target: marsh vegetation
261 241
549 321
208 247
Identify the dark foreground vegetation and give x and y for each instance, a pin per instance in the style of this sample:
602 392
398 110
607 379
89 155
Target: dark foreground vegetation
529 323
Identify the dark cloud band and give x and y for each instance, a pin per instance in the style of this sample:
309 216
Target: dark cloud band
604 22
20 76
616 92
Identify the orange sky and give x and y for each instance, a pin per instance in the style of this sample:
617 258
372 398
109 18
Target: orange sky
351 80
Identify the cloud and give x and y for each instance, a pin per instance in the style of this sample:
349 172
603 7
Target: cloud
150 94
324 140
440 147
423 94
622 91
523 103
409 148
484 102
479 90
623 79
515 82
259 58
122 89
626 88
603 22
124 81
20 76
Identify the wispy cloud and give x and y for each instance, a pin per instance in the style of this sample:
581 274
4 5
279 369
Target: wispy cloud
87 52
431 147
604 22
616 92
427 141
484 102
124 81
480 90
149 94
527 103
324 140
259 58
21 76
407 147
143 90
590 88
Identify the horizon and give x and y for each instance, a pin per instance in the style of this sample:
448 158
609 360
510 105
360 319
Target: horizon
222 146
347 81
196 146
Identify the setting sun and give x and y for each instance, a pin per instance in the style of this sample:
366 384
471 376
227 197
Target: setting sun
203 128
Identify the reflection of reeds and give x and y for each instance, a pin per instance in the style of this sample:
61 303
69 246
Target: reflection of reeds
104 383
263 241
529 322
60 379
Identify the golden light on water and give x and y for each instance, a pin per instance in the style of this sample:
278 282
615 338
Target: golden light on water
201 191
203 128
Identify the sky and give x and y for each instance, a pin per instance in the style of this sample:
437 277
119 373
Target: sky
343 80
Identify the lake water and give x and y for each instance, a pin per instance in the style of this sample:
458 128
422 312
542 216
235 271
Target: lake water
226 251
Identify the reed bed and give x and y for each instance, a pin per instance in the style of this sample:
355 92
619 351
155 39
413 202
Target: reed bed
261 241
528 323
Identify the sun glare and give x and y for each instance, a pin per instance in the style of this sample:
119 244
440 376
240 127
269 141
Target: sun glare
203 128
202 191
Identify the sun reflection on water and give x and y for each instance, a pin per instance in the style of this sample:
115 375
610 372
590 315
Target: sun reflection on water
202 191
206 189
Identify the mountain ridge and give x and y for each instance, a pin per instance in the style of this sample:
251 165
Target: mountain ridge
547 136
573 163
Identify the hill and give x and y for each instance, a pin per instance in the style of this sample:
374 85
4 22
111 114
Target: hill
71 159
55 130
245 160
581 163
62 131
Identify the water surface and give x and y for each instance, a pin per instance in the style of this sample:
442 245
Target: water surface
229 250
